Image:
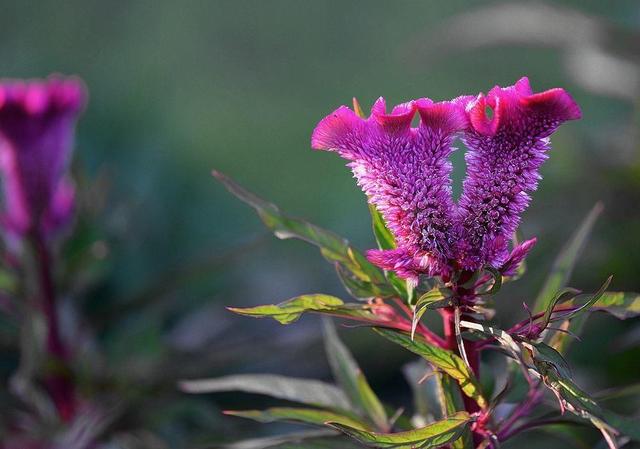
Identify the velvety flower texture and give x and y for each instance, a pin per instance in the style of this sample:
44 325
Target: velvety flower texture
405 173
37 120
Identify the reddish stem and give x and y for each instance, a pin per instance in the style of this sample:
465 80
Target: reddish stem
523 409
473 355
57 380
430 336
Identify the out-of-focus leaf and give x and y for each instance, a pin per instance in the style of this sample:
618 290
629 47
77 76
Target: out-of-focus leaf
8 281
305 391
561 341
622 305
289 311
350 377
432 436
566 260
586 407
333 247
303 415
620 392
322 443
281 441
435 396
443 359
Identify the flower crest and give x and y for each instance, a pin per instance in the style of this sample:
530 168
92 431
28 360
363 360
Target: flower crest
406 173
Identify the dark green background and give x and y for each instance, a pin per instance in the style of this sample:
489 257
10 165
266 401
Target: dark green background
178 88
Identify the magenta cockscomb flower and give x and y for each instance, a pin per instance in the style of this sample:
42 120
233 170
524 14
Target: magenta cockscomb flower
405 172
37 121
503 161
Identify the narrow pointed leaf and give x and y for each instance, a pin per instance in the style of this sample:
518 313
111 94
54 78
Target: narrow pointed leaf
564 295
546 353
281 441
435 396
586 407
566 260
432 436
628 391
304 391
584 302
358 109
323 443
384 238
574 320
333 247
303 415
497 281
443 359
348 375
433 299
289 311
360 289
622 305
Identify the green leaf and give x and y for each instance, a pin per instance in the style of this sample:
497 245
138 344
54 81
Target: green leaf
435 396
432 436
386 241
619 392
322 443
350 377
586 407
573 319
360 289
333 247
562 296
282 441
566 260
384 238
549 355
622 305
522 267
433 299
584 302
443 359
305 391
303 415
289 311
497 281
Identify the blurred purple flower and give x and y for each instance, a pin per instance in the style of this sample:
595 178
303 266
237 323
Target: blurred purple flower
405 172
37 120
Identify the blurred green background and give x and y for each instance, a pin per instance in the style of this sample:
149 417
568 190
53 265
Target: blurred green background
178 88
